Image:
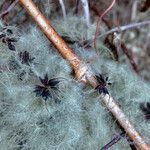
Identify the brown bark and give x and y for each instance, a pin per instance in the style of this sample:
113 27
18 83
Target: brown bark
83 71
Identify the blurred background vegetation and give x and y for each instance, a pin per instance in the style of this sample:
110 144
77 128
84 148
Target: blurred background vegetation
124 12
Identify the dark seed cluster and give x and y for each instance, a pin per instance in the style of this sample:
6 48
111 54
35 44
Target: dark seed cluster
44 90
25 58
145 108
5 37
102 83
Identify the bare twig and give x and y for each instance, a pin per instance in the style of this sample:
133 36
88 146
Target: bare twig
116 29
97 12
117 138
121 28
130 57
83 72
125 27
100 19
114 141
85 5
10 7
63 8
114 47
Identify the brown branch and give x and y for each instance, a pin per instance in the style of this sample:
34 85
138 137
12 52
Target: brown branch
83 71
130 57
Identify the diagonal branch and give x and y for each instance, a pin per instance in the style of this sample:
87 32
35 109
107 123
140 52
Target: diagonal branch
83 71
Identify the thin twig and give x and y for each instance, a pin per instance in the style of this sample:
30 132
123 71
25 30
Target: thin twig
97 12
63 8
10 7
125 27
122 44
130 57
114 141
120 28
85 5
83 72
100 19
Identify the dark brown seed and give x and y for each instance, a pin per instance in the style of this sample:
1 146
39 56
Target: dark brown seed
4 40
11 46
11 40
9 31
2 35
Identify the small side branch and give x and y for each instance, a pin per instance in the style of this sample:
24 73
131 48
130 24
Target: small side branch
130 57
114 141
122 44
9 8
100 19
125 27
121 29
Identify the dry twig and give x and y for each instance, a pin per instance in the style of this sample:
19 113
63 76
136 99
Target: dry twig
83 71
100 19
120 29
9 8
114 141
113 46
130 57
125 27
